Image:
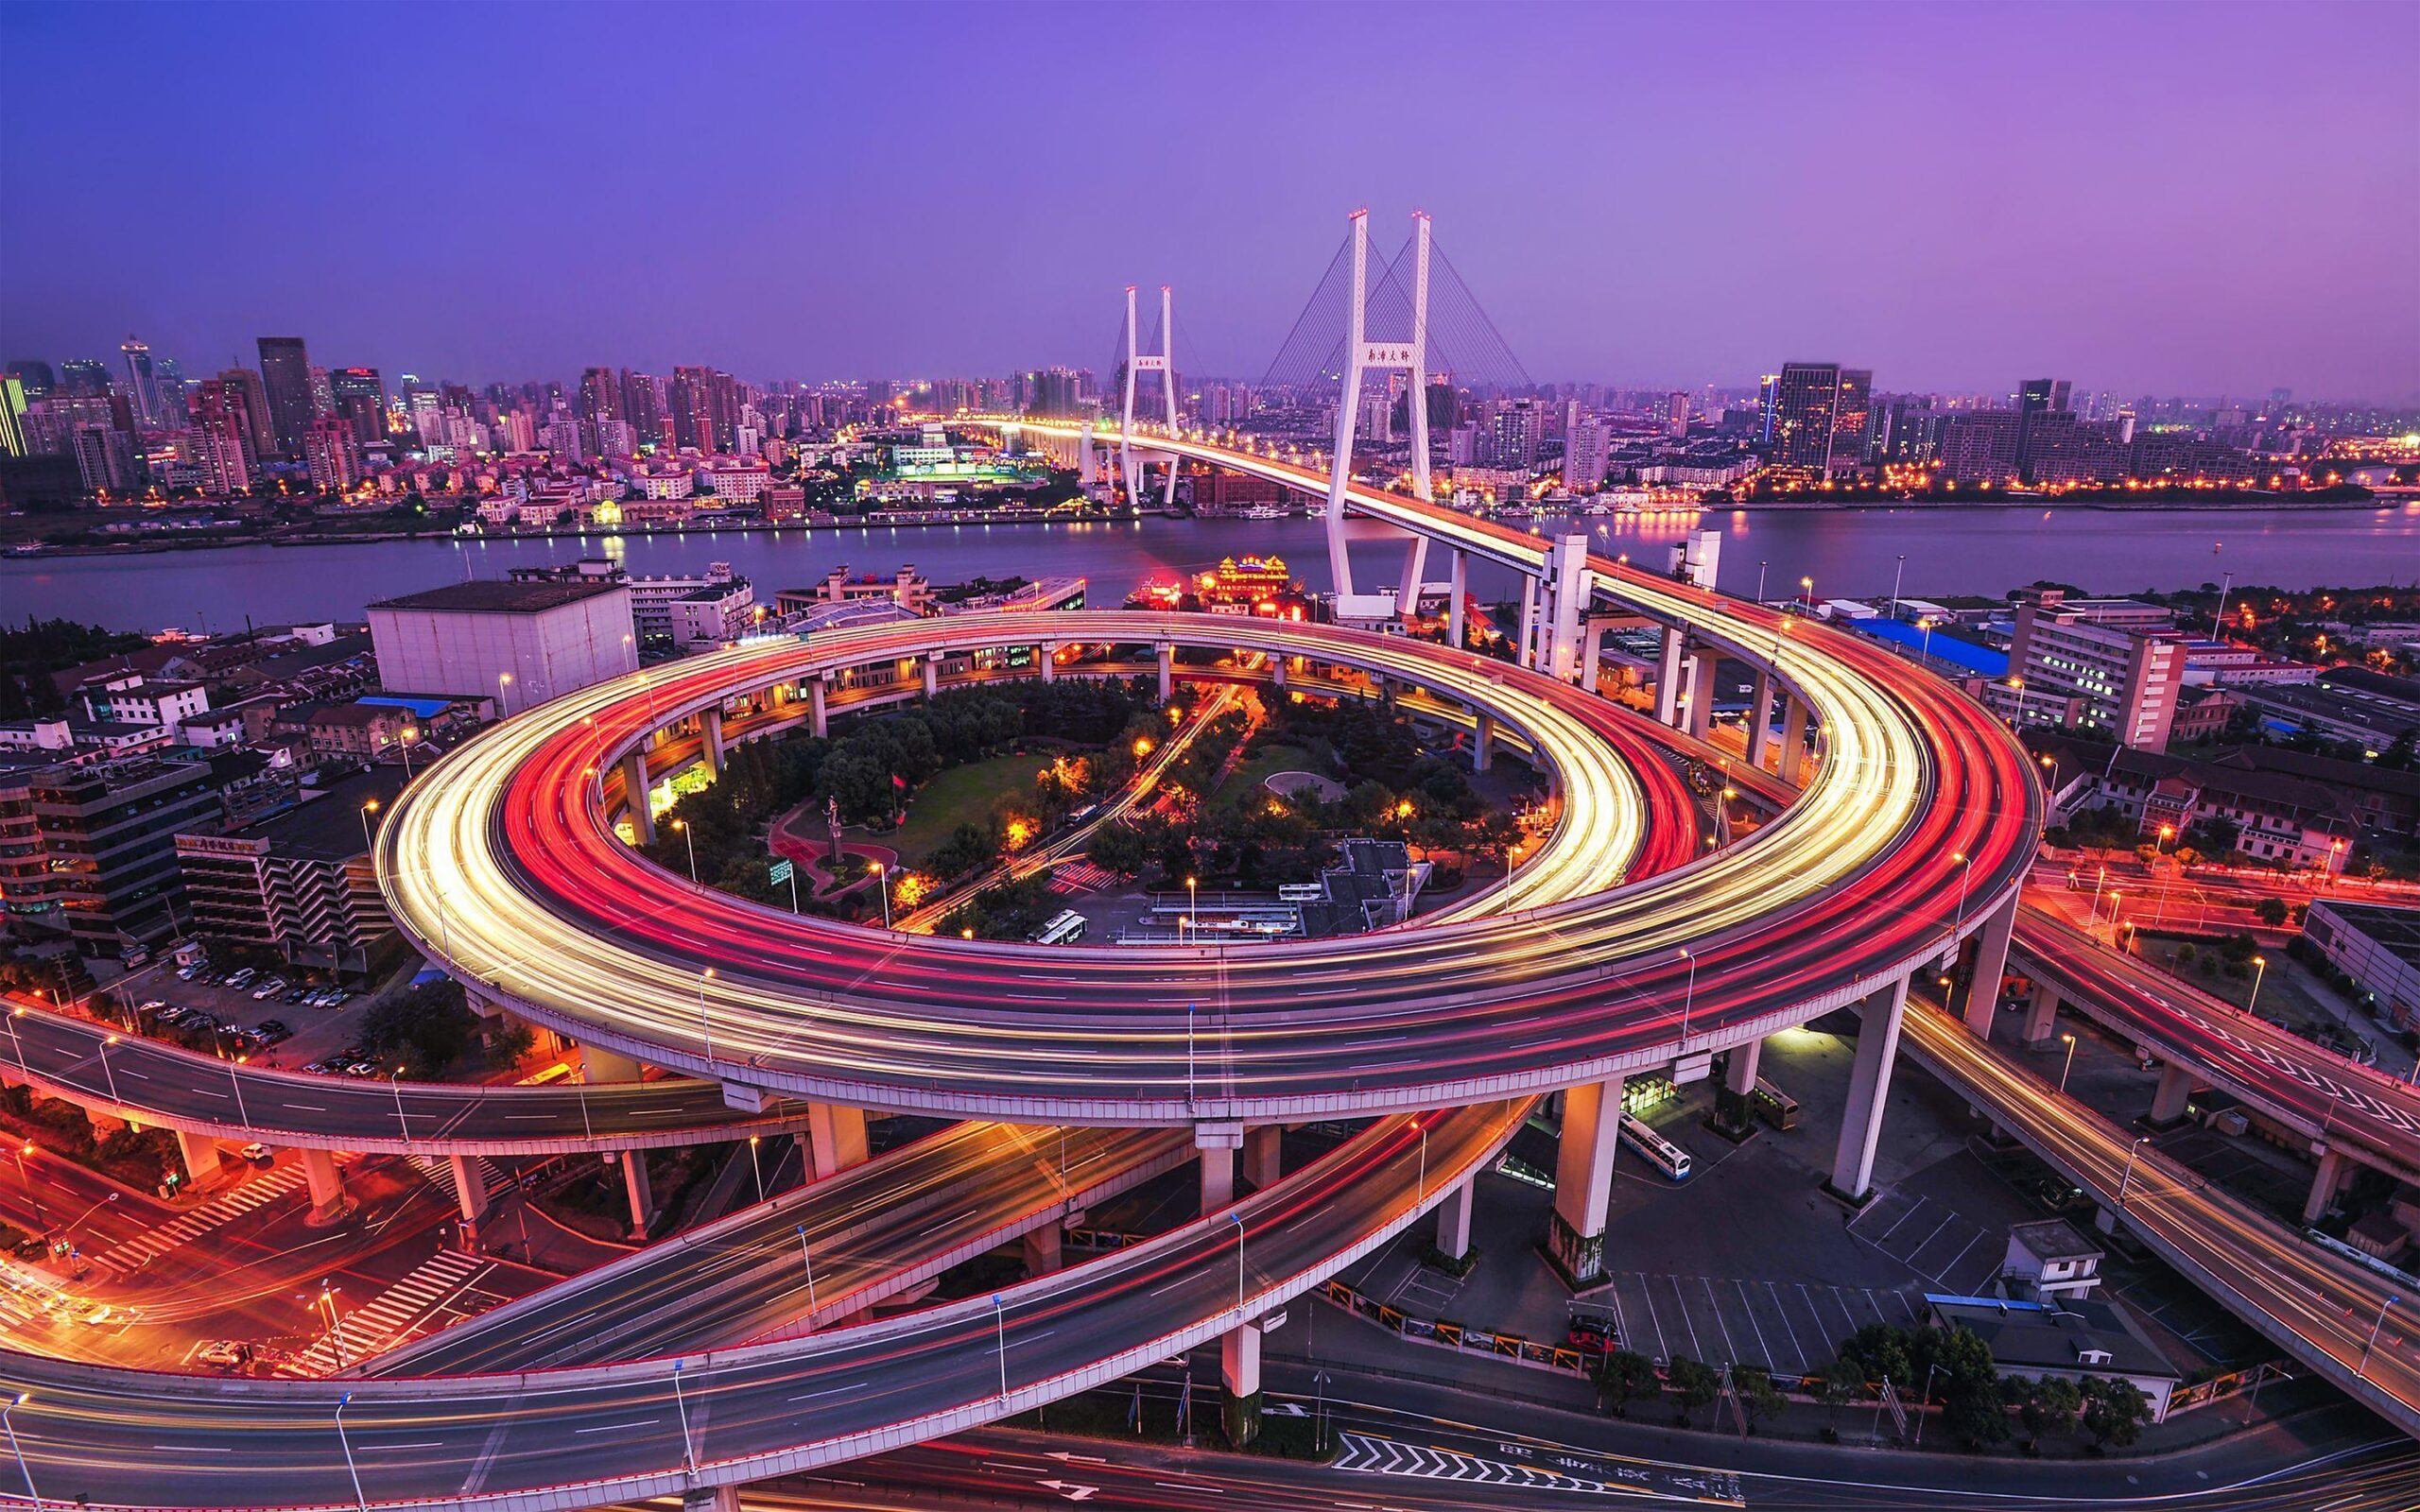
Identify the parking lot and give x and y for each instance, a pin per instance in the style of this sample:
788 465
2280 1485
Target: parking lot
1787 1326
221 1010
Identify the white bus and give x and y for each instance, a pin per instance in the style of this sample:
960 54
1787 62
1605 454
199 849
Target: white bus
1065 928
1661 1153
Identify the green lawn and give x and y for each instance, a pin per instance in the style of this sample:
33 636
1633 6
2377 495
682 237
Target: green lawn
962 795
1244 783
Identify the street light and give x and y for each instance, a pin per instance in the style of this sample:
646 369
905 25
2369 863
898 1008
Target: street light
882 886
335 1332
395 1080
2359 1369
755 1164
2127 1175
705 1021
1000 1328
1688 995
32 1193
366 810
109 1073
351 1468
1192 899
808 1260
689 843
2260 970
14 1014
2068 1065
1965 870
1238 1219
23 1397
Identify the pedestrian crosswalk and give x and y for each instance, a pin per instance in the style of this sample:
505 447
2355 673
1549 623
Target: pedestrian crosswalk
372 1326
1080 876
144 1248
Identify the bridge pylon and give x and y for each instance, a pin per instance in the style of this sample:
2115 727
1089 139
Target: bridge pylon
1162 362
1361 355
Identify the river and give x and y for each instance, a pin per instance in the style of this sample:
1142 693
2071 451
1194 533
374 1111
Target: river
1848 553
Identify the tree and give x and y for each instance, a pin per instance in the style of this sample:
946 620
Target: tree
1878 1351
1624 1375
2047 1405
2271 911
1833 1386
1694 1384
1119 848
2113 1409
1758 1397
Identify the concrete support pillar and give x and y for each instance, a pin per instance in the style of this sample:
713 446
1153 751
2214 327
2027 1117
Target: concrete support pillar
2042 1015
837 1136
1415 567
1583 1179
635 795
1991 964
710 739
1701 666
1239 1374
1760 719
1454 1221
1667 676
1483 744
327 1185
2176 1090
1218 1144
1525 650
1877 1046
642 1196
1454 625
1167 672
817 722
932 666
470 1190
1739 1077
1042 1251
1793 738
1263 1155
709 1498
2323 1186
598 1064
1048 655
201 1155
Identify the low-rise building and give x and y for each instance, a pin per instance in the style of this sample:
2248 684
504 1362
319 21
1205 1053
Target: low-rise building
2074 1338
519 642
299 881
2377 947
714 615
907 588
2050 1260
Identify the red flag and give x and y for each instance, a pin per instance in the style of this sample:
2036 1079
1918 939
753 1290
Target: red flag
898 781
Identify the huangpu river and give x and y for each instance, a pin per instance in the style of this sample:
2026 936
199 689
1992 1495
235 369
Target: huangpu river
1848 554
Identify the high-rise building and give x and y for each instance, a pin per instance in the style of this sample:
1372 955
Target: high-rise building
1587 452
2103 665
600 402
36 375
333 453
84 377
222 442
1817 415
105 458
286 371
1676 415
2035 397
247 387
361 397
142 382
109 833
12 417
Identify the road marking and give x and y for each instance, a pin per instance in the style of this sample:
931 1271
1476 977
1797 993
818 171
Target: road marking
615 1428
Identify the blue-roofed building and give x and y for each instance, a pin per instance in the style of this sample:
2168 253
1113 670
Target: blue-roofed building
1965 657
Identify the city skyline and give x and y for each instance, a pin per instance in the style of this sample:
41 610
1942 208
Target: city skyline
2107 237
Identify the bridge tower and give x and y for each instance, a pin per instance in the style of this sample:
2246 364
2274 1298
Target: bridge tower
1162 362
1361 355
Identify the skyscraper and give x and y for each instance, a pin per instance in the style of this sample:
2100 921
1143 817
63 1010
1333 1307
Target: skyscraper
2036 395
286 371
333 455
1818 416
360 396
142 382
255 401
12 417
1587 449
222 442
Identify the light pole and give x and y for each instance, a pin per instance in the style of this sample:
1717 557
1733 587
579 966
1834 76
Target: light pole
2018 683
503 680
411 734
2116 906
2159 902
335 1332
882 885
808 1259
14 1014
2068 1065
2360 1370
108 1074
705 1020
18 1449
395 1081
1000 1330
351 1468
32 1193
2126 1176
366 810
757 1164
1760 582
691 845
1192 898
1966 869
1924 623
2100 882
1896 574
1806 588
1688 995
235 1084
1238 1219
688 1450
2259 971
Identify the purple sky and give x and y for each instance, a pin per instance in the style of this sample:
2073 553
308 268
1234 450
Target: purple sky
2178 198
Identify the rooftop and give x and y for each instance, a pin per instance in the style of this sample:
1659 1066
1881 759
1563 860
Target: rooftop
489 596
327 827
2396 930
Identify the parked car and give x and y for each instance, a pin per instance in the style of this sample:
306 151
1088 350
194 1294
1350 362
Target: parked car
269 989
258 1153
273 1031
241 977
175 1013
187 973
